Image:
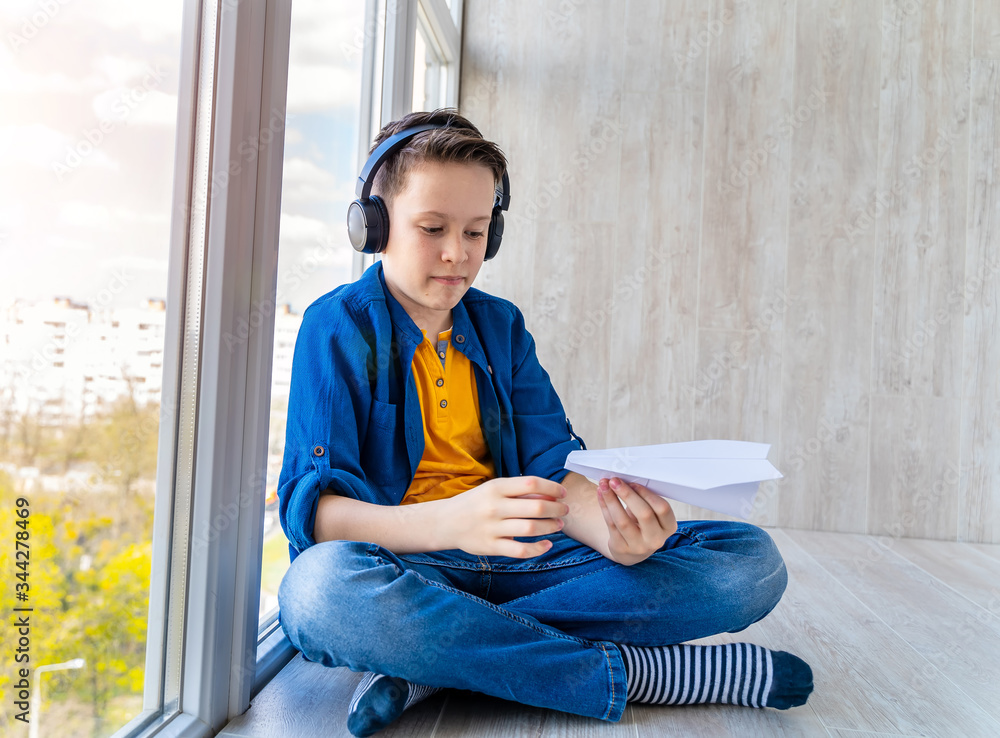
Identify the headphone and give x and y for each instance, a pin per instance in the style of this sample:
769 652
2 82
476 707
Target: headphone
368 217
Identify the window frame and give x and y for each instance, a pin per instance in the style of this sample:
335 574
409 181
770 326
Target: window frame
204 590
207 652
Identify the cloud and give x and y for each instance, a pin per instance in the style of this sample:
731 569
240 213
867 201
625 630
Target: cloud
324 58
136 106
38 145
84 215
121 71
130 262
302 228
319 87
305 182
34 144
17 82
152 22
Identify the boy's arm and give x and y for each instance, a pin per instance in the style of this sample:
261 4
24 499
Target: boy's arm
401 529
585 521
484 520
329 404
627 537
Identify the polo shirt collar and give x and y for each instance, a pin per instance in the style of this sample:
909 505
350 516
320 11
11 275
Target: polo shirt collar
461 323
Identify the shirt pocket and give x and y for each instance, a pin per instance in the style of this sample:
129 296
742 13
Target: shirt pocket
383 456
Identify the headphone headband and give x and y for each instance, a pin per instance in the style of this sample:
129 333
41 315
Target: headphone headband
386 149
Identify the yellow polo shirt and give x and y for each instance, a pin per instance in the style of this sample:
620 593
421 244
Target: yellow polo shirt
456 457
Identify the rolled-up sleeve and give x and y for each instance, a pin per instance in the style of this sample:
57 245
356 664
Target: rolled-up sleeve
328 405
544 438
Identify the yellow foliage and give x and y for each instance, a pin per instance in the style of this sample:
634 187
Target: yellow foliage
96 612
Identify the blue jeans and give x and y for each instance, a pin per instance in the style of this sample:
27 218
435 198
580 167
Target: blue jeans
537 631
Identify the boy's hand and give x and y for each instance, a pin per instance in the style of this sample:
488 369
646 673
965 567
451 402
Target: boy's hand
640 530
485 520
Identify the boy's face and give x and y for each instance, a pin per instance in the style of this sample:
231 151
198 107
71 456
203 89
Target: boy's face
437 230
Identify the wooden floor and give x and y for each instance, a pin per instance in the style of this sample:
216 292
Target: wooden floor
903 636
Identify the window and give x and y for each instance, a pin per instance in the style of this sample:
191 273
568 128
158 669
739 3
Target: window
435 62
89 94
164 311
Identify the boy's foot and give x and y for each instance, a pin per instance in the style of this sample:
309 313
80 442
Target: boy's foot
731 673
379 700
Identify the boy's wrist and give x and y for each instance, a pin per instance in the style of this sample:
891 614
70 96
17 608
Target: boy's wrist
425 524
435 521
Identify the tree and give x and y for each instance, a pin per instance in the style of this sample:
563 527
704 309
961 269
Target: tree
89 590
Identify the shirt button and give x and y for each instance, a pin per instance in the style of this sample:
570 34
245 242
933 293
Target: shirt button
460 339
318 450
441 354
444 403
490 368
440 382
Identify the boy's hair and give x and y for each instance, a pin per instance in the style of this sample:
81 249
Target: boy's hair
460 142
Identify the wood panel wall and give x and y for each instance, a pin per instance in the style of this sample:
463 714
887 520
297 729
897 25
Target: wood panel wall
767 220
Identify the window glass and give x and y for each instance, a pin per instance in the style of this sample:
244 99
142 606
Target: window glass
421 68
314 254
88 92
429 71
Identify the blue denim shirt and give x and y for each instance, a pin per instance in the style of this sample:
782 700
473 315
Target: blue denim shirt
354 424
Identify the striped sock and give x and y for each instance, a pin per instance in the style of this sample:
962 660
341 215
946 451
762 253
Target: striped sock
379 700
731 673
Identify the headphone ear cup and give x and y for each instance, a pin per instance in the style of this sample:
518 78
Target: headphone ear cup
379 240
368 225
365 225
495 234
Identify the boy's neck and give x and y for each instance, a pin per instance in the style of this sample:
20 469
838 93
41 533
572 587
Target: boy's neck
432 330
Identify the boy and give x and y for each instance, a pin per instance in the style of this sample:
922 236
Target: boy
437 540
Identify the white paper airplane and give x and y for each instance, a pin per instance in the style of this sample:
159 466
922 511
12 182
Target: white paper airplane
717 475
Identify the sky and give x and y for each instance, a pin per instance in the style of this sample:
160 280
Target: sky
88 95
